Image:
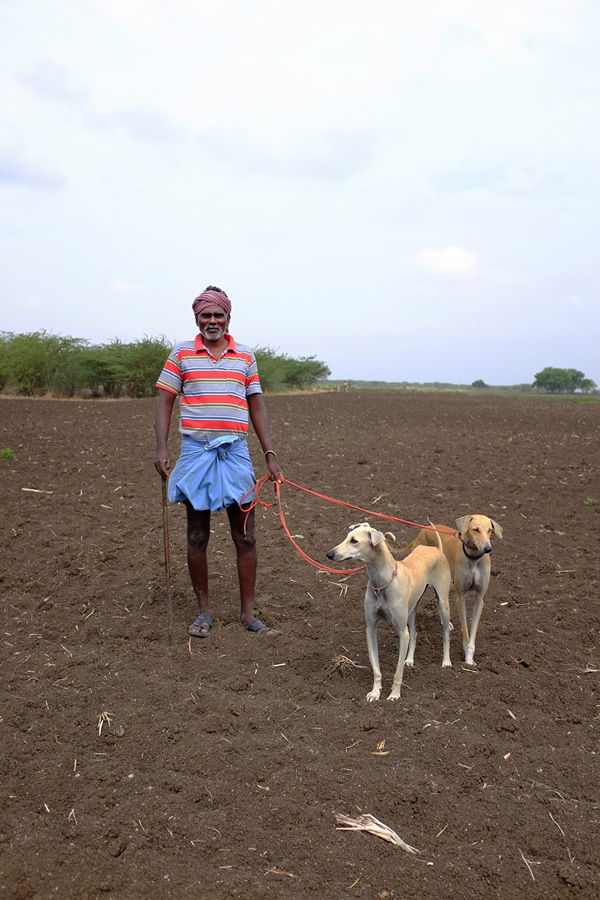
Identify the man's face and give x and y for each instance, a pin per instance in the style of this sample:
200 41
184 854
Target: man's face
213 322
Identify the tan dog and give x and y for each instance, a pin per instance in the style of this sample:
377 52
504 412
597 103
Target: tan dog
467 553
393 592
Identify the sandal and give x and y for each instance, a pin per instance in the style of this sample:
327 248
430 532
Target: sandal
203 624
258 627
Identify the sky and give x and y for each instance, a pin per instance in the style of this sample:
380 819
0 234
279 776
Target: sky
408 191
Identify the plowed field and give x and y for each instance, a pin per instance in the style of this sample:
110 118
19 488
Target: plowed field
220 764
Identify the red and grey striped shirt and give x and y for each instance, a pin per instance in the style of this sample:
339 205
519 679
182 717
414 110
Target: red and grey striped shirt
213 391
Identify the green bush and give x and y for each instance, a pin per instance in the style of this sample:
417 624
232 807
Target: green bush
279 372
142 362
29 362
37 363
271 369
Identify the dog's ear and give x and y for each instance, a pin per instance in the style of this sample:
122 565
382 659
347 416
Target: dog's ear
497 529
463 524
390 537
376 537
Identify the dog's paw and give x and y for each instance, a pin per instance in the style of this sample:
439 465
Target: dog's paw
373 695
395 695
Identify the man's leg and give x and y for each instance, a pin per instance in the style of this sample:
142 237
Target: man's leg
198 533
245 546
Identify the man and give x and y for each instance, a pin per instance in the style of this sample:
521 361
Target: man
218 385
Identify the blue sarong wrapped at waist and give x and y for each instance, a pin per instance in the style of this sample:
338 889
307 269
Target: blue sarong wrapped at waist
211 474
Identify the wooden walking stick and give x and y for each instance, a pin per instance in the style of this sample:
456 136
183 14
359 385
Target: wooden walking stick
167 562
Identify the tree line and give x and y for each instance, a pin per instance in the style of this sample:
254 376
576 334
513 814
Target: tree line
39 363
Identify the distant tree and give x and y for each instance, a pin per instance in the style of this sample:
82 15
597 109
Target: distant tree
5 337
579 382
552 379
271 369
115 369
279 372
70 377
142 363
565 380
480 383
98 370
305 371
30 362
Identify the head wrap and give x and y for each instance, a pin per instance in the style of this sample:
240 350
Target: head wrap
212 298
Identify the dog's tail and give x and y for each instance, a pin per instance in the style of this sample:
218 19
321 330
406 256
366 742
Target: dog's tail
437 534
402 551
421 538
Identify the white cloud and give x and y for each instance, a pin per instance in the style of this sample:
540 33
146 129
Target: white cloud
17 168
52 81
448 262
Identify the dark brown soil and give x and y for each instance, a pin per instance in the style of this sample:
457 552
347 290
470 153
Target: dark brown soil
226 760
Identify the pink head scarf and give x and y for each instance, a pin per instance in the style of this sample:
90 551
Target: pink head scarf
212 298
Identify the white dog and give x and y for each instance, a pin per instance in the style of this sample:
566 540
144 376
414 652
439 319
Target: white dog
393 591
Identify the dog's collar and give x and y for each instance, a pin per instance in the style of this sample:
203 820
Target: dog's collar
473 557
378 590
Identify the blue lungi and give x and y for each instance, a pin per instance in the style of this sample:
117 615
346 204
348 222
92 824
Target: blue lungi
211 474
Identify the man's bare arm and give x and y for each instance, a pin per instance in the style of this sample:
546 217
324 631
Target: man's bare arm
260 423
162 424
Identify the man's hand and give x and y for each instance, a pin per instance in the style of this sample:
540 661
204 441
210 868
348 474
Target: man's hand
274 468
162 463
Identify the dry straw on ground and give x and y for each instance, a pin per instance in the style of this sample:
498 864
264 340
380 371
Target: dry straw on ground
369 823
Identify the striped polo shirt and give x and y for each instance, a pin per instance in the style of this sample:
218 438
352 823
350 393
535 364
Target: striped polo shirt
213 391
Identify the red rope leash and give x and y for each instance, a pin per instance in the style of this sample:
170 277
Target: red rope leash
254 494
369 512
256 501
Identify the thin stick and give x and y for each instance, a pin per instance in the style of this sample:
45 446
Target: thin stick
527 863
167 561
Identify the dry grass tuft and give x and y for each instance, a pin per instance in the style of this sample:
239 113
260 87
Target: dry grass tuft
102 718
369 823
343 665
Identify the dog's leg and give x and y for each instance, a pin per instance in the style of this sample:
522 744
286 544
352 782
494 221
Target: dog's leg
412 630
477 610
375 692
371 620
397 684
444 611
462 615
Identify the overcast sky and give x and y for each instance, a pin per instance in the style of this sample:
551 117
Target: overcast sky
406 190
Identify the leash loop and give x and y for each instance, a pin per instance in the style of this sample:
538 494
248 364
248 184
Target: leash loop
254 500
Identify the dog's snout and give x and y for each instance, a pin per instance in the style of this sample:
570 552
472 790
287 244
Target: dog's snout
330 554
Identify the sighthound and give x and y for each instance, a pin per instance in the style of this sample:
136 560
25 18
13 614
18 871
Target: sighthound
468 556
394 589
